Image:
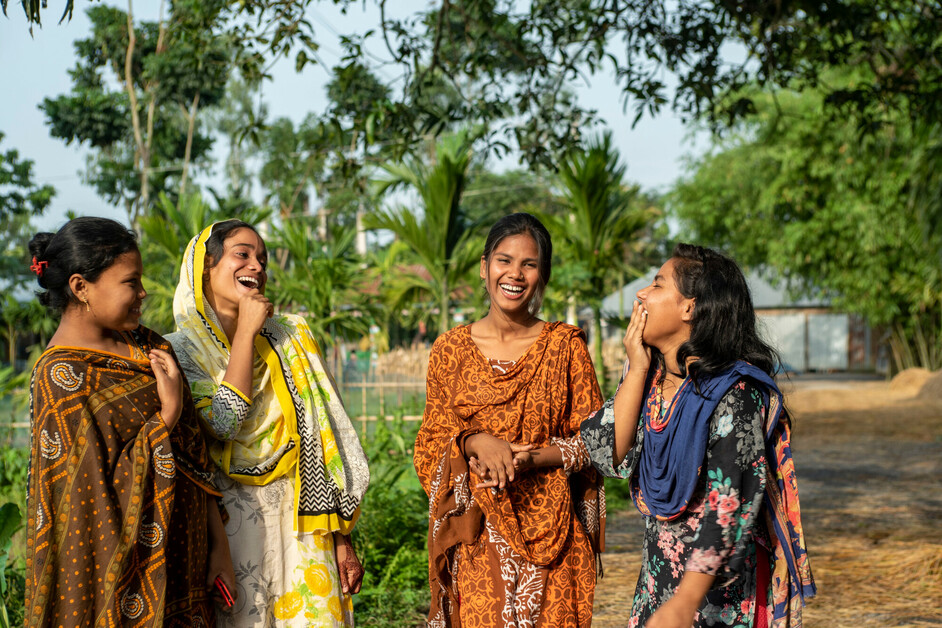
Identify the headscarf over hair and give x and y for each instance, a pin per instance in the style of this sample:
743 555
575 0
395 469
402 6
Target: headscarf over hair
295 423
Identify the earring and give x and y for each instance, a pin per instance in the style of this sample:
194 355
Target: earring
85 301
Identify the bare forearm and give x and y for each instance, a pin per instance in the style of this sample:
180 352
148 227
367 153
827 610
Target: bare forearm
693 588
549 456
627 410
217 530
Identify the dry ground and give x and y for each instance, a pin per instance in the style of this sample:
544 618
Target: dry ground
869 462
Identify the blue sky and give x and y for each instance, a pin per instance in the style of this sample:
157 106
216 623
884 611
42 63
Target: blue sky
34 67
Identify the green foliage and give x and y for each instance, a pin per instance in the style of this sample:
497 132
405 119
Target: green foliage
603 232
14 465
321 280
440 238
10 522
390 536
139 118
19 194
807 195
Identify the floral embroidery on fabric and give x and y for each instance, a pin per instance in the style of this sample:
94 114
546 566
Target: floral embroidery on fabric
65 377
49 446
164 464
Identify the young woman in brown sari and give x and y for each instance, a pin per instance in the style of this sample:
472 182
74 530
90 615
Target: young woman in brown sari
123 524
516 510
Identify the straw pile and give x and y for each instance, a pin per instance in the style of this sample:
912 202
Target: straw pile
862 584
406 363
932 388
910 381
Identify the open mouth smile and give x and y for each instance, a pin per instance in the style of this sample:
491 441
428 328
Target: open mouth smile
248 282
511 290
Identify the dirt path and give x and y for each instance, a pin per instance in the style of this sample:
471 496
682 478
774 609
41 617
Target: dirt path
869 461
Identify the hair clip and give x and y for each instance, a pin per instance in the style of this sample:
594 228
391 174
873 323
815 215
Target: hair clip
38 267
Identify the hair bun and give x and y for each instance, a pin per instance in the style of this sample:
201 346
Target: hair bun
39 243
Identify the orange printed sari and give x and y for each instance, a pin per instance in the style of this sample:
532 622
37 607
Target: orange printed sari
525 556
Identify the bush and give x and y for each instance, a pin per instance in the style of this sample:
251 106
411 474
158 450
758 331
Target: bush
391 534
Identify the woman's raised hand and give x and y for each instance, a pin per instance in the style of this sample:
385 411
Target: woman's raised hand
169 386
254 309
639 354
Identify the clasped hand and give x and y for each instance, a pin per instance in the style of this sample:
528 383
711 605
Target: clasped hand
495 460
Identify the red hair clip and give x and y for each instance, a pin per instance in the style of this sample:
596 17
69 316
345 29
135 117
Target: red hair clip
38 267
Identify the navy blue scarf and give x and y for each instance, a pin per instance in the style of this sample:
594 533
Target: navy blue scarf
671 456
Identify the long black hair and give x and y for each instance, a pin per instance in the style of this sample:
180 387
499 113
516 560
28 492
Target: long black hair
85 246
518 224
723 328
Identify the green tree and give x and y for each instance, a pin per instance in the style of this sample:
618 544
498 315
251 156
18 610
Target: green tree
323 281
143 135
21 198
805 194
605 225
513 63
441 239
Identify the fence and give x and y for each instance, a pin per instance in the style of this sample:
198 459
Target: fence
372 386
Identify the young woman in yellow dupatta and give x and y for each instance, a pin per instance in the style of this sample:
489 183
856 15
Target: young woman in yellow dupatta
292 471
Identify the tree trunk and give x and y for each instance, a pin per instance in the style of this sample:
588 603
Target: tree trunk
444 319
597 345
11 336
191 125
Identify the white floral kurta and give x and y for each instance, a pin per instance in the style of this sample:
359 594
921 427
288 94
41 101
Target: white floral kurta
283 579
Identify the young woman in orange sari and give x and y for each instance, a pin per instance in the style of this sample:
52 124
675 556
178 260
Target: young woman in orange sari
516 511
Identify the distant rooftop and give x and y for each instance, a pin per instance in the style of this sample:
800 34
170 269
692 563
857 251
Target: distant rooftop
765 296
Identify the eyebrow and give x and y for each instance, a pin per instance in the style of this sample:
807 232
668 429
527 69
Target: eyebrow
526 259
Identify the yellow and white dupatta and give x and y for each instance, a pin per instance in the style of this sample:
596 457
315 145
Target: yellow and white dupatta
295 421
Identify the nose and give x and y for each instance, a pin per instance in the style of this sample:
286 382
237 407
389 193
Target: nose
141 293
642 294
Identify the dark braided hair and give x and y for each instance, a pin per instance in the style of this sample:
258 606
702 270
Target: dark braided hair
85 246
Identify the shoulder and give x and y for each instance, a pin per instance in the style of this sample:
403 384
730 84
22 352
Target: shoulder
451 338
566 333
63 367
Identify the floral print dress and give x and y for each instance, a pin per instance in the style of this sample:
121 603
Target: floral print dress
718 532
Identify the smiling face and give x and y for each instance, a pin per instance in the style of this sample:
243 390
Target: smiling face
115 298
239 271
512 273
669 312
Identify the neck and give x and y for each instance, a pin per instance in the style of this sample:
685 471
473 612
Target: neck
78 329
228 319
504 325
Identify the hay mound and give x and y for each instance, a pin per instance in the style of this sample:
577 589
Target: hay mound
932 387
910 380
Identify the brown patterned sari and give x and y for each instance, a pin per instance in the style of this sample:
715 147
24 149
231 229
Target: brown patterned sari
525 556
116 503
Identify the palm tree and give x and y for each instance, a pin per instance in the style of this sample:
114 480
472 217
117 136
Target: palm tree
441 239
322 279
604 219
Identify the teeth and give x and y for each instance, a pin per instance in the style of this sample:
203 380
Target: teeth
510 288
252 282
